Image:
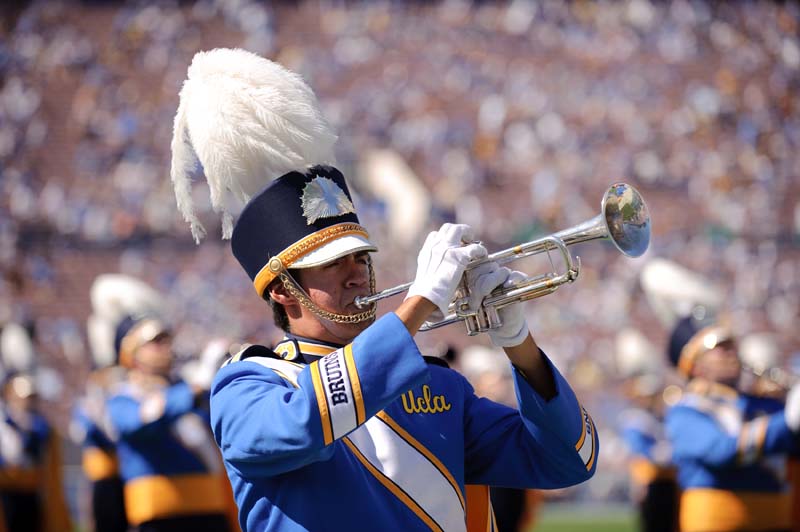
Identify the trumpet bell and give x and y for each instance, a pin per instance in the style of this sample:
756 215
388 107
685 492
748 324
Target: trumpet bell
627 219
624 219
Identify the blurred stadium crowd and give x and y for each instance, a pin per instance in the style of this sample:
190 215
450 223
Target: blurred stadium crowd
513 117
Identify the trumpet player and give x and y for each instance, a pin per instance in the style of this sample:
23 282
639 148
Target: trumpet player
730 448
345 425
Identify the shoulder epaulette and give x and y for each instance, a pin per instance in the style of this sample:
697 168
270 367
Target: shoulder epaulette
436 361
253 351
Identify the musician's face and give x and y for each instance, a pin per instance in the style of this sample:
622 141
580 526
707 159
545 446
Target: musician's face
720 364
155 357
333 287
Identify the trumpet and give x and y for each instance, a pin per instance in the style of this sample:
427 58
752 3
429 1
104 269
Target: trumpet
623 219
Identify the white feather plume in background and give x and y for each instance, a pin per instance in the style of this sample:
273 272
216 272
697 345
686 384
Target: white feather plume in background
247 120
673 290
115 296
16 349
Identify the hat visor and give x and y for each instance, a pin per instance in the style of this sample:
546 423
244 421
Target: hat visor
150 330
335 249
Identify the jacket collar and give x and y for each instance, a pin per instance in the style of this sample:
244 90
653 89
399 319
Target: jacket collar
303 350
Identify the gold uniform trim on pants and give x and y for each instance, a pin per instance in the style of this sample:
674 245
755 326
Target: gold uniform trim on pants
99 464
22 479
643 471
713 510
158 497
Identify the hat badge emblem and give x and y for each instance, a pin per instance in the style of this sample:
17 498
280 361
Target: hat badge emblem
323 198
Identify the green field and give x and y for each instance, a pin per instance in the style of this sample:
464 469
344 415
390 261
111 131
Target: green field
558 518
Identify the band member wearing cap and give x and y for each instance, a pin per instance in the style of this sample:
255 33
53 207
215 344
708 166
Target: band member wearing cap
345 425
653 483
99 455
31 487
730 448
171 468
114 298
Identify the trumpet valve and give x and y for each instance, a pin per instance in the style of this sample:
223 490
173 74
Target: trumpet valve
493 320
473 327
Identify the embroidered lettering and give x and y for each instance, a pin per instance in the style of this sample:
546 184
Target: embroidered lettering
427 404
339 398
335 378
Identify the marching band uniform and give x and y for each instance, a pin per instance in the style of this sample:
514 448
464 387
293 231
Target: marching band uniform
171 469
375 436
651 469
336 424
641 426
24 441
114 298
31 487
31 490
730 450
99 459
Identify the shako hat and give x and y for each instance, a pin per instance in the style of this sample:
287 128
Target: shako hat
258 133
300 220
691 338
122 306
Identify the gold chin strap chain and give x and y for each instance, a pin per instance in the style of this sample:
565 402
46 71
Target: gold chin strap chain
297 291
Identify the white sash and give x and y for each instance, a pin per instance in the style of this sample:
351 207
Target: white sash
394 457
398 462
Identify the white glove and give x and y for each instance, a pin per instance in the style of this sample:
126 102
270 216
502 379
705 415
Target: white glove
441 263
481 281
791 412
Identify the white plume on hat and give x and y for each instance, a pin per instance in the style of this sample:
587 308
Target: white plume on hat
673 291
16 349
248 121
635 354
115 296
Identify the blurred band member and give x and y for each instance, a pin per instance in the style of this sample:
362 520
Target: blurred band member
114 298
652 473
99 456
764 377
730 448
641 426
31 490
170 466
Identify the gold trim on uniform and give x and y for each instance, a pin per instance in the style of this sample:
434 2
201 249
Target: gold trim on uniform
421 449
355 384
322 403
302 248
315 349
23 479
158 496
704 509
287 350
644 472
99 464
587 428
291 349
389 484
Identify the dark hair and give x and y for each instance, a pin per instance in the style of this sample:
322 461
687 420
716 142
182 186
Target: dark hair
278 312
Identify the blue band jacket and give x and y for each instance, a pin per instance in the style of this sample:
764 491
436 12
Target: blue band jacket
371 437
730 450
